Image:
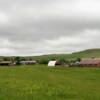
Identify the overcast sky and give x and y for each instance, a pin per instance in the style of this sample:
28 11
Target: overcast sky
34 27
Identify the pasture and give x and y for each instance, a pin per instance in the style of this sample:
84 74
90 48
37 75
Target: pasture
42 83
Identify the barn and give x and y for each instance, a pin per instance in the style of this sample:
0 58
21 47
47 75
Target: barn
28 62
5 63
53 63
90 62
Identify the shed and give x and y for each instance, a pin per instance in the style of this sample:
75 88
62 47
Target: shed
5 63
28 62
53 63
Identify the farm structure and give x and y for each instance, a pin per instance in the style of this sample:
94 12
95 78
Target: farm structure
28 62
5 63
54 63
90 62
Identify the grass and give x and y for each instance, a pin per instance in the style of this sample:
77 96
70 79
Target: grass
42 83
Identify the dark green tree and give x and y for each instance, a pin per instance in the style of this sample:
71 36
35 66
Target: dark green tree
78 59
6 59
17 60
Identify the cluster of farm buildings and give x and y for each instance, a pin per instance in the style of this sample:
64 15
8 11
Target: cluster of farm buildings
10 63
89 62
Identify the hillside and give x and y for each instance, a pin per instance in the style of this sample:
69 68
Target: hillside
87 53
82 54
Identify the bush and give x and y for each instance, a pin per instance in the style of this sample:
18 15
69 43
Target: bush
43 61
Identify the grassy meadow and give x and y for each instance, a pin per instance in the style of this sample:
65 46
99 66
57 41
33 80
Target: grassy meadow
42 83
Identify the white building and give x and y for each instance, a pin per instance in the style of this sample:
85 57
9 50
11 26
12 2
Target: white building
53 63
28 62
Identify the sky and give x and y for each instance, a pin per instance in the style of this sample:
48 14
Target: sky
37 27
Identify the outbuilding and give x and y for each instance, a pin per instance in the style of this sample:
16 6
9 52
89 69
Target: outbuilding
53 63
90 62
5 63
28 62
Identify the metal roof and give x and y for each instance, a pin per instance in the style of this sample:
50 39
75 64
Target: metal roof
90 61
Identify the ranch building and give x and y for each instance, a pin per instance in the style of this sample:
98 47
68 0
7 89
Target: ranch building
54 63
28 62
90 62
5 63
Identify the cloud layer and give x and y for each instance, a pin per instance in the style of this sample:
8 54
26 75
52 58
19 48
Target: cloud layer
34 27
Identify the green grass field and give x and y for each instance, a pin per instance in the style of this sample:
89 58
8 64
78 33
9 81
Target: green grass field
43 83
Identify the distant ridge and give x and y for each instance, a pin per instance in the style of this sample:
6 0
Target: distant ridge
88 53
81 54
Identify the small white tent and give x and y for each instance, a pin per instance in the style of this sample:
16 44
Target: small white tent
52 63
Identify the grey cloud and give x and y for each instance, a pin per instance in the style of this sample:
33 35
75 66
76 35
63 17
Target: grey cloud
29 24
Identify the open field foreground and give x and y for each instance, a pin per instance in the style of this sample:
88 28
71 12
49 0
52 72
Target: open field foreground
43 83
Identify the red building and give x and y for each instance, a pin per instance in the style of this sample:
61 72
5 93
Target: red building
90 62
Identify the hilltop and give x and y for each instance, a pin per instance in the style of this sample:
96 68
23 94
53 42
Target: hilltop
87 53
81 54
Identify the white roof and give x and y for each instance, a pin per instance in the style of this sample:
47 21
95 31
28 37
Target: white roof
52 63
28 61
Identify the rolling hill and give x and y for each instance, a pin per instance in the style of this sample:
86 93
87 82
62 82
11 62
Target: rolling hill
82 54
